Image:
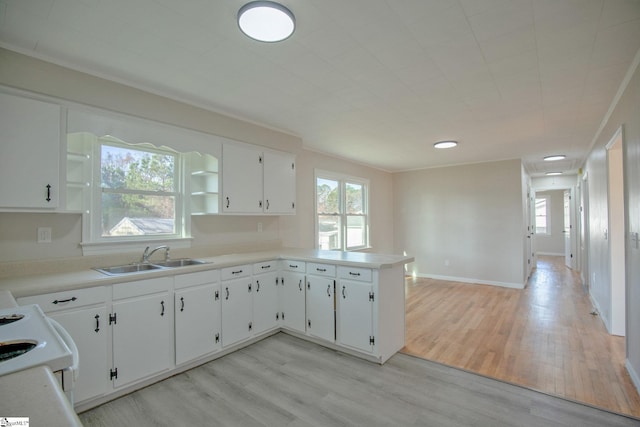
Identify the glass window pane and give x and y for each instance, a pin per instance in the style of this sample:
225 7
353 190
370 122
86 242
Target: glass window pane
122 167
541 216
136 214
355 198
329 232
356 231
328 194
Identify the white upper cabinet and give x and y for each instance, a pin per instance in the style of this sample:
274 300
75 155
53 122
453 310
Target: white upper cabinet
279 183
256 181
29 153
241 179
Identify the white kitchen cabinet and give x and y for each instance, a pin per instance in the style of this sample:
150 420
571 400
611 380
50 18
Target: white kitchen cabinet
355 314
279 183
237 304
29 153
320 298
83 314
142 321
266 314
197 315
204 183
292 295
241 179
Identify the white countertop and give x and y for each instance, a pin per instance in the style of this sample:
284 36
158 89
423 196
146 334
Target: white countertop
54 282
35 393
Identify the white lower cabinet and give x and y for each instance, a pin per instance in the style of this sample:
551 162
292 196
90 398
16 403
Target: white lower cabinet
321 301
142 322
237 308
355 301
197 315
292 296
266 313
83 314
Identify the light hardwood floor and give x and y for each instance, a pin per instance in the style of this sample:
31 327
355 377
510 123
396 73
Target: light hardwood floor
285 381
542 337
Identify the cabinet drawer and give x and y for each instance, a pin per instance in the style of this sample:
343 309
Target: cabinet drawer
141 287
288 265
64 300
355 273
199 278
265 267
321 269
235 272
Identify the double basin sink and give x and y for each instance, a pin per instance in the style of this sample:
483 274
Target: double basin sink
118 270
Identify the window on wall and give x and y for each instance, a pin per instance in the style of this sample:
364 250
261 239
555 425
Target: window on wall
542 215
342 221
139 194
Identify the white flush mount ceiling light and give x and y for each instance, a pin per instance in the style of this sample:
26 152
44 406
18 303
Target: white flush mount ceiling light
266 21
553 173
555 157
445 144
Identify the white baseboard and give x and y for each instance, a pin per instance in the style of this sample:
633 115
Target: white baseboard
594 302
474 281
633 374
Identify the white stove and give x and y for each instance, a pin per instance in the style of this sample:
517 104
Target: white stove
28 338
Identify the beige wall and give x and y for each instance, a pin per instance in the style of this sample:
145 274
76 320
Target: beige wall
464 222
18 231
553 243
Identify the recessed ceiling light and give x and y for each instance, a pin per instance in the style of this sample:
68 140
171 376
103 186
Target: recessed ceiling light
554 173
445 144
266 21
555 157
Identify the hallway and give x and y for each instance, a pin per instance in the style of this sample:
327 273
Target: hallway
542 337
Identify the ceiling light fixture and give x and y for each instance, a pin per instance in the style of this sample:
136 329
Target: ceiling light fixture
445 144
554 173
266 21
555 157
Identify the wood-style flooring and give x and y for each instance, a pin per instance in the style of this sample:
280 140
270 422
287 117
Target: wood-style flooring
542 337
286 381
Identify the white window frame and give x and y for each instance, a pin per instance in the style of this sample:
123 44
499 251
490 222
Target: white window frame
342 181
98 244
547 199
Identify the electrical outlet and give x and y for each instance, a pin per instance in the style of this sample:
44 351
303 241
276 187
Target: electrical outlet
44 235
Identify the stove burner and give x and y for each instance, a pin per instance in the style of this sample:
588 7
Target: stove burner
10 318
11 349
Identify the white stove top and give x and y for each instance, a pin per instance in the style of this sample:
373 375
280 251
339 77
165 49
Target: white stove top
50 349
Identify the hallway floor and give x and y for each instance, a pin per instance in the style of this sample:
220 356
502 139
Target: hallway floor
542 337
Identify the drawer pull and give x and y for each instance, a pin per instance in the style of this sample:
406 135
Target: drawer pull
266 266
237 272
322 270
353 274
62 301
293 266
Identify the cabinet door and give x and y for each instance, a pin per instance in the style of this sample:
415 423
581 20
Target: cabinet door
279 183
197 312
355 314
236 310
265 302
29 153
142 339
321 307
88 328
292 299
241 179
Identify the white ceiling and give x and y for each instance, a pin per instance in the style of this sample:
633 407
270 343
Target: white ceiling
376 81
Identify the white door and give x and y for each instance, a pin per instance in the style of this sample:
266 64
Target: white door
88 328
265 302
355 315
142 337
279 182
568 254
236 310
321 307
293 301
197 322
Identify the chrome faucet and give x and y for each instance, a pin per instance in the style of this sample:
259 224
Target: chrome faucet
147 254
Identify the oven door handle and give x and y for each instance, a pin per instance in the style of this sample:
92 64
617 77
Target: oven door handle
69 343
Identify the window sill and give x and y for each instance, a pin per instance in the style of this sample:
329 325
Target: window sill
110 248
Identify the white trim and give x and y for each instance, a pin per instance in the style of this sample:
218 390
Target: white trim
472 281
595 304
618 134
633 374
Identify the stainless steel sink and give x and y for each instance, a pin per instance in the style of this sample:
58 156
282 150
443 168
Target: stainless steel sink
127 269
180 262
